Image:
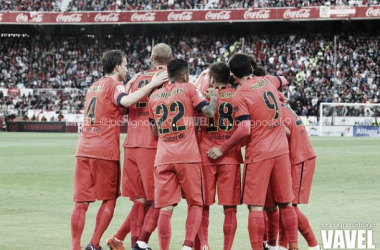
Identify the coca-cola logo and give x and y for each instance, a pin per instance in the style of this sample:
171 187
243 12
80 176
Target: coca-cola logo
146 17
112 17
72 18
301 13
221 15
29 18
372 12
183 16
261 14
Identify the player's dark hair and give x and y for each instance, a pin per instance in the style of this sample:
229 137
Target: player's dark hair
111 59
242 65
220 72
259 72
177 68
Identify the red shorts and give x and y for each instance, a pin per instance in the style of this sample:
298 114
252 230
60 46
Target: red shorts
138 177
171 178
258 176
227 178
96 179
302 177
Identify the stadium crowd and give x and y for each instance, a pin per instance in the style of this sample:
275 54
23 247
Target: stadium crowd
307 61
125 5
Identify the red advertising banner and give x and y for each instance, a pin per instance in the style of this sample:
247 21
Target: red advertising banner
189 16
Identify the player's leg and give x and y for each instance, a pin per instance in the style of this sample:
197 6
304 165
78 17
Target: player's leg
302 176
146 157
78 218
281 183
133 187
130 174
306 230
103 219
116 242
191 181
209 175
150 224
272 220
164 227
265 238
229 226
256 226
106 176
229 194
83 194
167 195
255 184
282 240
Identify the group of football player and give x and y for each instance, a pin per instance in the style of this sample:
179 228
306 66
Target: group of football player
186 142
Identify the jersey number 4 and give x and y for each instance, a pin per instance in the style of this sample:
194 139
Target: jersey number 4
90 112
162 110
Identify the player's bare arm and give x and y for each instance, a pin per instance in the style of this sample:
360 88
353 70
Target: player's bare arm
155 129
200 78
157 80
210 109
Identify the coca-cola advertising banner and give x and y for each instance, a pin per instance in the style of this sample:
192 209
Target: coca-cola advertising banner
188 16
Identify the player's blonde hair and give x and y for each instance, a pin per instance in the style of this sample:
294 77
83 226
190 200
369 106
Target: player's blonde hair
161 54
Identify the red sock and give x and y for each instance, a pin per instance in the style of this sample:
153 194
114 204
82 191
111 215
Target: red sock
229 227
266 226
282 240
202 235
150 224
272 227
193 222
197 242
103 219
137 220
205 221
290 224
305 228
78 218
124 229
164 229
256 229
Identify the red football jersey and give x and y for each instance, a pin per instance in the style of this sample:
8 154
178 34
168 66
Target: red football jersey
257 100
140 133
215 131
299 144
173 109
100 137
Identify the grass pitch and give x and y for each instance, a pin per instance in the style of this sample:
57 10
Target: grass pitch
36 187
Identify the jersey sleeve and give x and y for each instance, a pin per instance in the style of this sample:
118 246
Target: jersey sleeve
118 91
197 99
278 81
241 112
151 114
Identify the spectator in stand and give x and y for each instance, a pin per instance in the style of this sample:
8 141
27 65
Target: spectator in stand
122 5
30 5
306 60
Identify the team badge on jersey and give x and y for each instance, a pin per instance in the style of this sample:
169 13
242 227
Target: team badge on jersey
120 88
